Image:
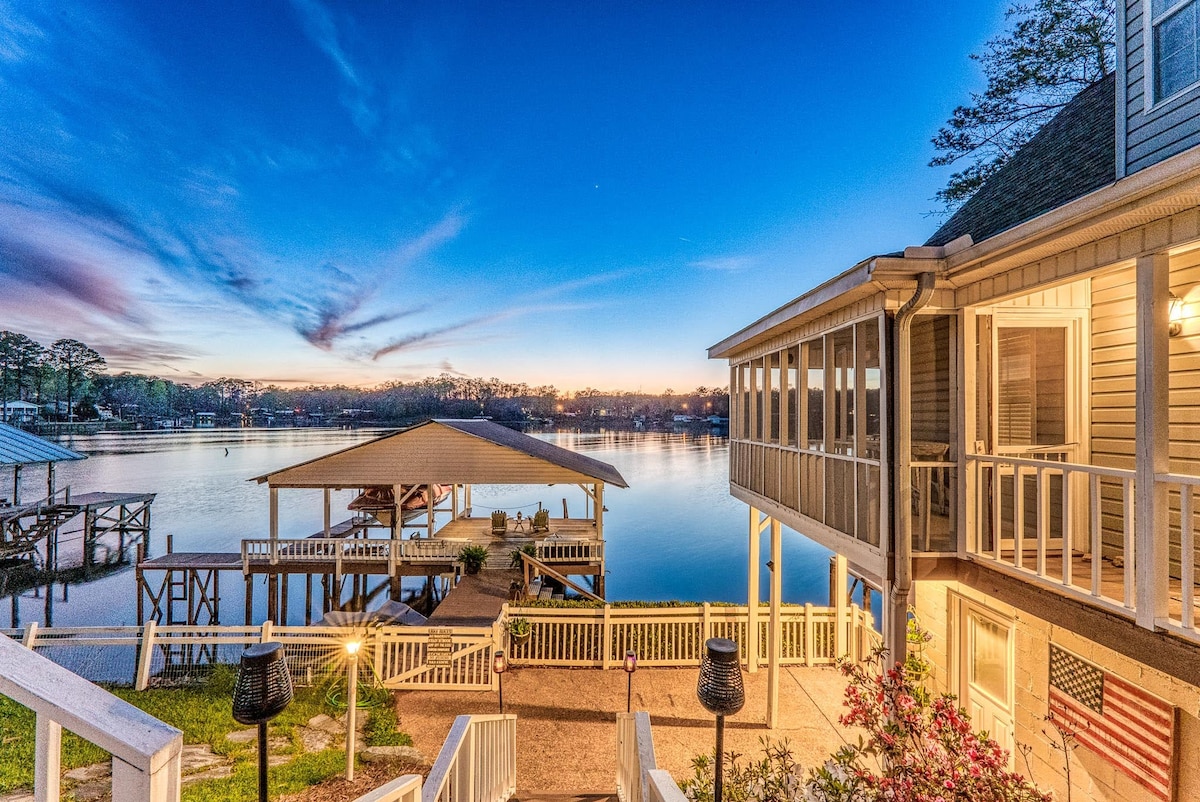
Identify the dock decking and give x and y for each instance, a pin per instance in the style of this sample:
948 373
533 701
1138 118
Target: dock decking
476 600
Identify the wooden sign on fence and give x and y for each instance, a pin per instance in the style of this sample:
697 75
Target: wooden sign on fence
439 649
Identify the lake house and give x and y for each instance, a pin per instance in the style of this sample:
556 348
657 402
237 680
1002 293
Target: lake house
1000 431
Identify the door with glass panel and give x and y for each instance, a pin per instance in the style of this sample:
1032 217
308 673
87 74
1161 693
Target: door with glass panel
985 671
1035 390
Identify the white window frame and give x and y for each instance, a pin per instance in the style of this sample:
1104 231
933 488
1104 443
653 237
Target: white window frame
1148 66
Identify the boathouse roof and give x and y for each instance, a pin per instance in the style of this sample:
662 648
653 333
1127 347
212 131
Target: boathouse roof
447 452
18 447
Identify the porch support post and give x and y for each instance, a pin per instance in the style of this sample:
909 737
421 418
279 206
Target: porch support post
776 565
1151 542
753 593
599 510
430 497
840 605
274 513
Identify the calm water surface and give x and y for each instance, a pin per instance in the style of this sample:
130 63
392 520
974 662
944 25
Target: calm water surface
675 533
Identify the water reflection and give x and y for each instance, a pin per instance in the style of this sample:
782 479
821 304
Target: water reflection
675 533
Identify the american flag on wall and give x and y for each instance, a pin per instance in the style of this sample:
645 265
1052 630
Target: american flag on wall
1116 719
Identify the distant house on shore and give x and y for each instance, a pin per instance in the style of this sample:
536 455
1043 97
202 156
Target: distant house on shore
1000 430
18 413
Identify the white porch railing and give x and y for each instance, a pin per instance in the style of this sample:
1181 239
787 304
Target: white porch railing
638 777
1181 491
146 752
675 636
570 551
1058 536
478 762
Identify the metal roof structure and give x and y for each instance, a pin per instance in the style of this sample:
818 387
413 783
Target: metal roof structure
447 452
18 447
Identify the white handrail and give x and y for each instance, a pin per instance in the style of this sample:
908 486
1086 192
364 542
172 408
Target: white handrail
146 752
635 755
478 762
406 788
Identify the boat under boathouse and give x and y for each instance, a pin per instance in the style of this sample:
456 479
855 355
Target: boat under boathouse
412 518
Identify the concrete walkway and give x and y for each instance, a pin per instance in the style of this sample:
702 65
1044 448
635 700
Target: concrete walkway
566 725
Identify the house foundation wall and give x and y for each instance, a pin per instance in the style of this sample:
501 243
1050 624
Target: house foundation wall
1093 777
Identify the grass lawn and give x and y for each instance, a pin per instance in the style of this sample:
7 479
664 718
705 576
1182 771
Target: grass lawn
204 714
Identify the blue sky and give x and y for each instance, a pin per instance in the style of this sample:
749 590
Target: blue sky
567 193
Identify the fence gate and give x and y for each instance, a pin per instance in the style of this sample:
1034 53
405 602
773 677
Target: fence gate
435 658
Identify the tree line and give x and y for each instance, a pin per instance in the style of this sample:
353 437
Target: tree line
72 372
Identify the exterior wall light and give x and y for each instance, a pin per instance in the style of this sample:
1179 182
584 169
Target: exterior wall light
721 692
352 649
262 690
1175 326
630 666
500 665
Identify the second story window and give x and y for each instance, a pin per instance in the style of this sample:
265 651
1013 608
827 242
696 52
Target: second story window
1175 28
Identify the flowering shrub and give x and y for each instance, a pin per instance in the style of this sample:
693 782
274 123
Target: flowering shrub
918 748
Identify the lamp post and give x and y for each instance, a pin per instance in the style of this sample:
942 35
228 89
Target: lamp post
630 667
720 690
263 689
351 707
500 665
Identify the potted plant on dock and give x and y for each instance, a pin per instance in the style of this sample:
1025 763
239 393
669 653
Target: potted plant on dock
519 631
473 557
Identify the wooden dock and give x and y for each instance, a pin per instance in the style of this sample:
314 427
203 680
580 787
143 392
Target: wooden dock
476 600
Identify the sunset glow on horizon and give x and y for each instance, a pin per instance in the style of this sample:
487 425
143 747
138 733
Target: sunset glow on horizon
574 195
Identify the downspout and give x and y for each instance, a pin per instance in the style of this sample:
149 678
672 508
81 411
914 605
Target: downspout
898 595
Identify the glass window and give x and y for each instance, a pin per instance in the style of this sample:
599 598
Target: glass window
1176 59
988 657
931 391
814 418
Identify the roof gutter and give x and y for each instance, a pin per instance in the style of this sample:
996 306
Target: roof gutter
896 629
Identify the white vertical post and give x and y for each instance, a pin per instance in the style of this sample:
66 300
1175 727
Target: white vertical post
327 493
274 513
840 591
160 784
776 623
47 759
30 637
145 657
753 594
599 510
1150 546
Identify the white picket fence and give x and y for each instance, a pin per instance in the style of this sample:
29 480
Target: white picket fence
675 636
457 658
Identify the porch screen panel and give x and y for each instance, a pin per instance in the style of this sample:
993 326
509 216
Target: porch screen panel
933 466
772 391
842 350
743 411
870 377
840 498
756 387
814 395
792 356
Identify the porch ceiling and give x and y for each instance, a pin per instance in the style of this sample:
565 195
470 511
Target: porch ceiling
447 452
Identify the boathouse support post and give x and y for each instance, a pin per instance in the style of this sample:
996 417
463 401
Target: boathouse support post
274 513
328 524
1150 546
753 592
16 494
776 625
599 510
430 498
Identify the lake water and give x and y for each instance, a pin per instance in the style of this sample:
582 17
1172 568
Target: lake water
675 533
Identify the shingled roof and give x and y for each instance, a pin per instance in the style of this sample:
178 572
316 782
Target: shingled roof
1072 155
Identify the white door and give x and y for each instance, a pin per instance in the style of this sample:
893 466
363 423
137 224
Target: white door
985 662
1036 416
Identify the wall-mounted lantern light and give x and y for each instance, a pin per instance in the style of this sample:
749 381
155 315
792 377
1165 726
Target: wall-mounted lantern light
1175 326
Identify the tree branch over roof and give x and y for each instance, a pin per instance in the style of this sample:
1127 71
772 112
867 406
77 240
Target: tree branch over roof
1053 50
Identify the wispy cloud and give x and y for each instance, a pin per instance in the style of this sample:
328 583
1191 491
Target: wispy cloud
726 264
422 339
320 28
18 34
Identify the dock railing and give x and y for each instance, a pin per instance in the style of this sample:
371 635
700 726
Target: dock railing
478 762
145 751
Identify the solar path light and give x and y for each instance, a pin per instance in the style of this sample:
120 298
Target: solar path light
720 690
351 706
500 665
263 689
630 666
